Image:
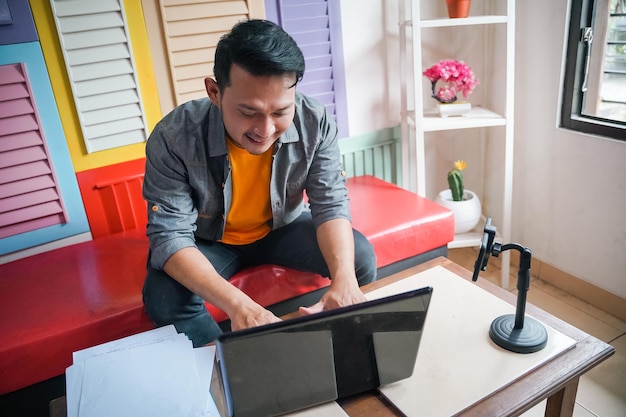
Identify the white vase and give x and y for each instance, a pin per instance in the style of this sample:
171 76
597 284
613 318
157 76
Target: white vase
458 108
466 212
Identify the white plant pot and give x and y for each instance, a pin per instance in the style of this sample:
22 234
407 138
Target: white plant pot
458 108
466 212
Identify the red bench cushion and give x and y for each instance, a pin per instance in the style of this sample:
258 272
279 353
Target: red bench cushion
61 301
399 224
57 302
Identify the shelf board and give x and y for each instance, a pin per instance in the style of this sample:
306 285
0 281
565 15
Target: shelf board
468 21
472 238
477 117
464 240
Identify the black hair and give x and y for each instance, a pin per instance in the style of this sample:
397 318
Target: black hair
260 47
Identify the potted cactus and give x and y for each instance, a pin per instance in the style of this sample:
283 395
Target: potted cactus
455 180
465 204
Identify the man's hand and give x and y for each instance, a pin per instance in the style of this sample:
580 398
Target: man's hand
340 294
193 270
256 315
336 242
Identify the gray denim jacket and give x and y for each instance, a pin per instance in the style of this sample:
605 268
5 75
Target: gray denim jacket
188 185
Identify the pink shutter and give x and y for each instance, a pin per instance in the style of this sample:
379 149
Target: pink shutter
29 195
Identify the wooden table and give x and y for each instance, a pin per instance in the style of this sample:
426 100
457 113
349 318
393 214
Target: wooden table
556 380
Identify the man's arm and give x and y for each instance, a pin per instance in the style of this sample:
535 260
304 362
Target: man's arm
193 270
172 212
336 241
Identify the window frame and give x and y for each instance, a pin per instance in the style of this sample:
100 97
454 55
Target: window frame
572 117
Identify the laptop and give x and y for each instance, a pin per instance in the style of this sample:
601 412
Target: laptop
297 363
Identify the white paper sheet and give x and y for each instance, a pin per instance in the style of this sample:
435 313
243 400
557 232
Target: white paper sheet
150 336
155 373
74 373
204 357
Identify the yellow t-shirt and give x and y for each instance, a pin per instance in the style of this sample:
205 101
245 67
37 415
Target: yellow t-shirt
250 209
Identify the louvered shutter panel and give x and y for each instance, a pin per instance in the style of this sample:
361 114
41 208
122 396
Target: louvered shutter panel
314 25
192 30
308 23
29 195
97 51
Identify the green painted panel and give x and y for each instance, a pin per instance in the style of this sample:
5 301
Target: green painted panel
376 153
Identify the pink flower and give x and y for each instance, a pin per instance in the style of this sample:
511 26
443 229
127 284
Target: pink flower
456 75
446 93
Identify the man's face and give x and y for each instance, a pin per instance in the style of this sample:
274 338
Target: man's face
256 110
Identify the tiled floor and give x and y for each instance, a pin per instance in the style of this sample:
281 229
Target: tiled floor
602 391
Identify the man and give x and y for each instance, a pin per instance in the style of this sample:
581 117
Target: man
224 182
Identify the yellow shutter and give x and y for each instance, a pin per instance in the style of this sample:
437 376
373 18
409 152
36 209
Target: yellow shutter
184 42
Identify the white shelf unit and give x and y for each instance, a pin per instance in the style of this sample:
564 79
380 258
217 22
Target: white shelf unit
416 121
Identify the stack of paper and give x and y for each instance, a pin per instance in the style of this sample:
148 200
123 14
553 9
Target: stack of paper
155 373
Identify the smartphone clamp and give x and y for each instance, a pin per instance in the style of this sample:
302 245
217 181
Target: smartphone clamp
517 332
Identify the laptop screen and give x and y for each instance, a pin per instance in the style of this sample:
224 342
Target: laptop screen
297 363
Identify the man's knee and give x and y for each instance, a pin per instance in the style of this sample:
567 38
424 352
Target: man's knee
168 302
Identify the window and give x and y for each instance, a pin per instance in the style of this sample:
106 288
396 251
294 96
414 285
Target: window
594 93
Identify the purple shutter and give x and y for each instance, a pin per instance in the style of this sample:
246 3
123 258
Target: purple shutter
16 22
29 194
315 26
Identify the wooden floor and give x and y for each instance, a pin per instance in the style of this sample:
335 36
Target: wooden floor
602 391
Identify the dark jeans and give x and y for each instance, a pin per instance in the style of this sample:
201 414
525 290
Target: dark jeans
294 246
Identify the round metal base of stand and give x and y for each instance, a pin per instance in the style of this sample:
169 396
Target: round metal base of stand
531 338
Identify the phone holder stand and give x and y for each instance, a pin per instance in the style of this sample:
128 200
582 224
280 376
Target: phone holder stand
516 333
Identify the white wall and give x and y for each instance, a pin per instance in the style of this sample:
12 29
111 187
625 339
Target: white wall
569 189
369 32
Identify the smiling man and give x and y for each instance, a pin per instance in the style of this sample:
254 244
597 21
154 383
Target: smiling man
225 181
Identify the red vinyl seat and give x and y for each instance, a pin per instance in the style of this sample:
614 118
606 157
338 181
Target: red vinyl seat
399 224
61 301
